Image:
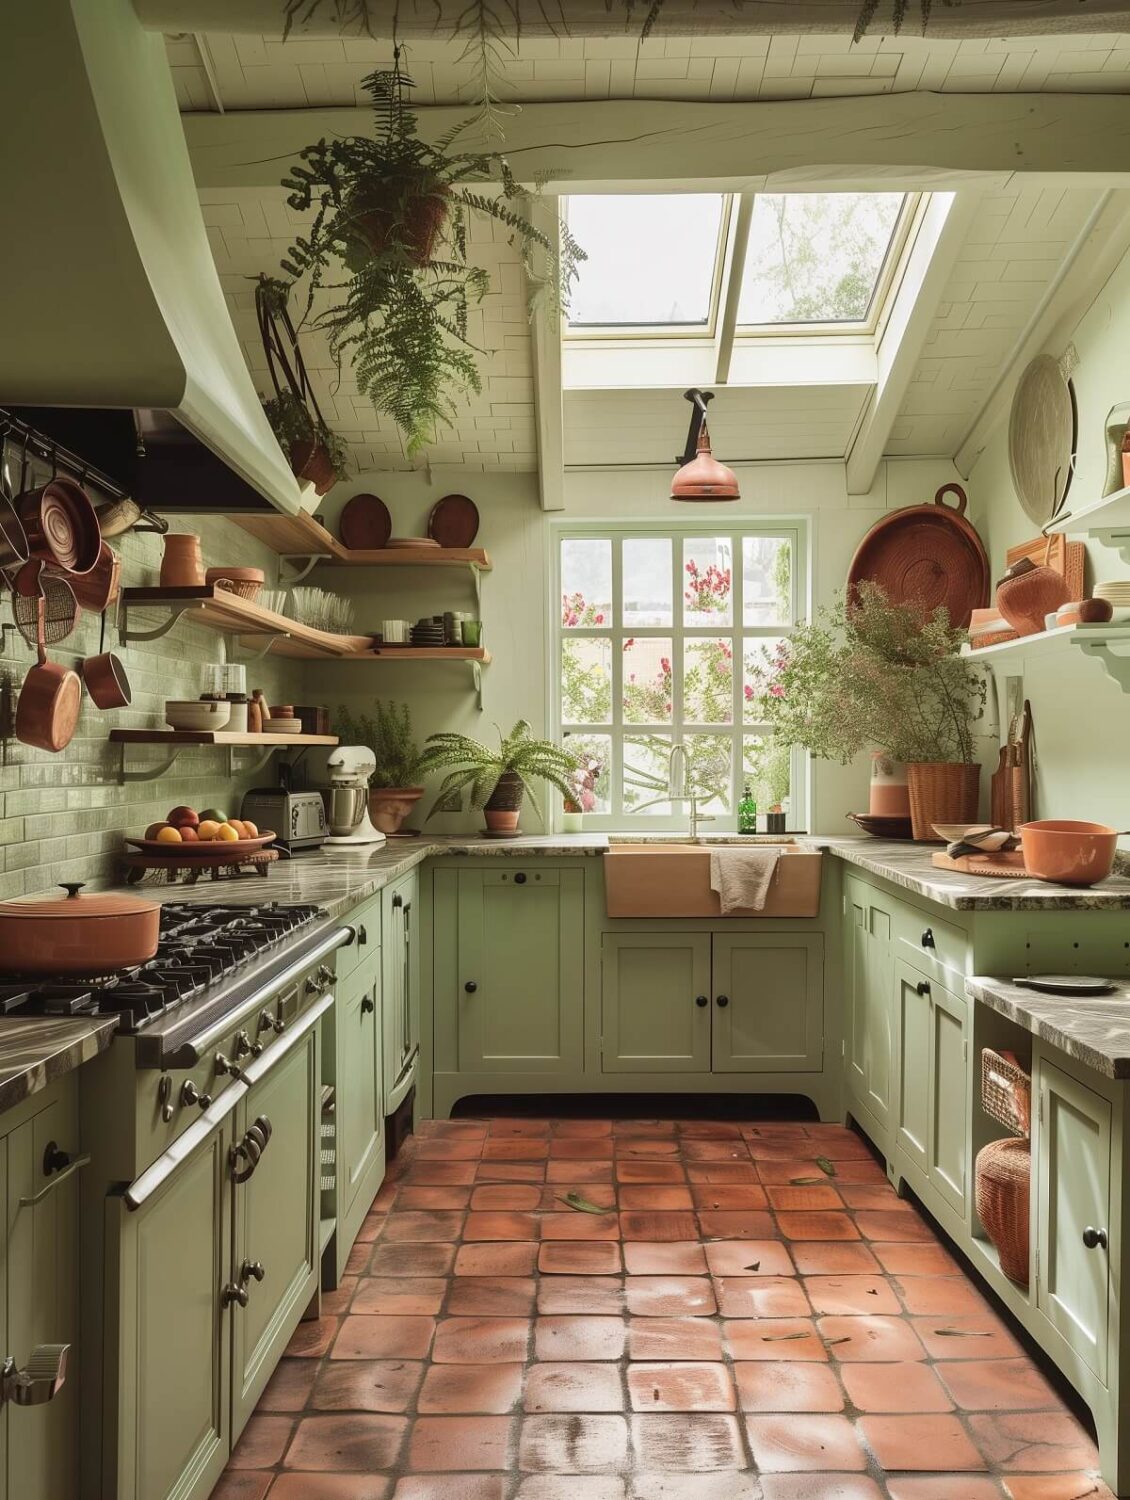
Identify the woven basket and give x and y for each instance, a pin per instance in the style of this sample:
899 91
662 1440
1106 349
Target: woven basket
941 792
1003 1177
1006 1091
242 588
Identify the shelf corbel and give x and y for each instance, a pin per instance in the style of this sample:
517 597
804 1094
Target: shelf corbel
147 773
238 652
1114 663
1119 540
175 609
303 564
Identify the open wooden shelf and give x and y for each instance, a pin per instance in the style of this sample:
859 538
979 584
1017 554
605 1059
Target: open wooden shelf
221 610
302 536
1108 644
214 737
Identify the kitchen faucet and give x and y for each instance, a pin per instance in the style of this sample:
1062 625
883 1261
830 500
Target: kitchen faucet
676 790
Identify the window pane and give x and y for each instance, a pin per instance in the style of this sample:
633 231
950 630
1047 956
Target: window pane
767 767
647 680
708 769
593 781
647 581
651 258
761 662
586 583
815 257
767 584
586 681
646 765
708 682
707 580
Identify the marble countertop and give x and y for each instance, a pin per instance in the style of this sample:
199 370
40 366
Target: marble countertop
1093 1029
35 1050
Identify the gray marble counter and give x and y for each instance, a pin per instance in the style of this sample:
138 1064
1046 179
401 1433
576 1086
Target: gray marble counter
908 865
1095 1029
35 1050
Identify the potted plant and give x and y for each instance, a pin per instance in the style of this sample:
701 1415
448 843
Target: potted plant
391 213
313 450
497 779
394 788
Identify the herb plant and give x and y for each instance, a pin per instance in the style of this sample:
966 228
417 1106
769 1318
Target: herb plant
387 732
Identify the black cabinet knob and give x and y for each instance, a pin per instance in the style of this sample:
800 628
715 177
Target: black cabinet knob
722 1001
397 901
922 987
362 933
928 938
470 986
519 879
1093 1238
368 1004
702 1001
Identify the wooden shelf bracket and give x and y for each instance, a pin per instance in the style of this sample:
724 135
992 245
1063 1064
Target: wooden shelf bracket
128 773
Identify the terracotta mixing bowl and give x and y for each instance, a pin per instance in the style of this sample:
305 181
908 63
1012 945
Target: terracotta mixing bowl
1068 852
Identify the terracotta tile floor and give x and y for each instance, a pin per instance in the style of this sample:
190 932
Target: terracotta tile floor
731 1323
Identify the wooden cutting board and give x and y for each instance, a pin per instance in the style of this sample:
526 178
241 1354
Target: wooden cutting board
1002 866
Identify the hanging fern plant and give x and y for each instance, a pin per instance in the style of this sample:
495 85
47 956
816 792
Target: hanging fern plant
391 211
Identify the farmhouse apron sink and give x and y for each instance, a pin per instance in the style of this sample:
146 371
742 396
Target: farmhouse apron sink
673 880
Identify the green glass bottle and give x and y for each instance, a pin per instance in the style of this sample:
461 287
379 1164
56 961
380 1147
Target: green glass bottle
747 812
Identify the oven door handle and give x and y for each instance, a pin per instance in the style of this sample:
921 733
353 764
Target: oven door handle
259 1066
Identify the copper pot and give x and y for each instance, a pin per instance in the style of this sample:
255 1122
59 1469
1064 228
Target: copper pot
106 681
98 589
181 563
50 701
61 525
75 934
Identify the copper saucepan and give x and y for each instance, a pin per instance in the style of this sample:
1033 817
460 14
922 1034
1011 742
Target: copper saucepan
98 589
106 680
50 701
76 934
61 525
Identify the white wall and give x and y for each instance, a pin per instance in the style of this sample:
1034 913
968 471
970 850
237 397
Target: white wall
516 608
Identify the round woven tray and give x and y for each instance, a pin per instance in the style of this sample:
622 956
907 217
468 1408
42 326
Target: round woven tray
928 553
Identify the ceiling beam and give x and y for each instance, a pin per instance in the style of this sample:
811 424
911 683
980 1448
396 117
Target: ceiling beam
912 141
941 234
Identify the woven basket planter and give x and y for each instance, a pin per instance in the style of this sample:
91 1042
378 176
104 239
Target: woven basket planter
504 805
941 792
1003 1177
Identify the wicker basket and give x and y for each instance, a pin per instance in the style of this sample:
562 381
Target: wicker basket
941 792
1006 1091
1003 1177
242 588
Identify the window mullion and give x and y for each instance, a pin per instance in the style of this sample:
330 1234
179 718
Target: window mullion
739 241
617 669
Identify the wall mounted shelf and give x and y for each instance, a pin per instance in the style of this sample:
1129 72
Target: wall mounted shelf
176 740
1107 520
1109 645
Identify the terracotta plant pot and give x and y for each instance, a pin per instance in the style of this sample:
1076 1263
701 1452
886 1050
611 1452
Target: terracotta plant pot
311 460
890 794
390 805
424 217
941 792
504 806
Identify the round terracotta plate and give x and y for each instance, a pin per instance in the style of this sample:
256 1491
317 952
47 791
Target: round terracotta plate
928 553
364 523
410 543
454 521
203 846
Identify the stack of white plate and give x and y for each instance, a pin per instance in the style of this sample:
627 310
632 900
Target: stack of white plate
1117 593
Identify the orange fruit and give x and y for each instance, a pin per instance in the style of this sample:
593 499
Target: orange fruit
153 830
249 830
227 834
207 830
188 834
237 824
169 835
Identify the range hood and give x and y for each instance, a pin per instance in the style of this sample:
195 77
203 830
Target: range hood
110 297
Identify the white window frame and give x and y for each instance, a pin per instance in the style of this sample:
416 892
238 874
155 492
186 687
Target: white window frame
795 529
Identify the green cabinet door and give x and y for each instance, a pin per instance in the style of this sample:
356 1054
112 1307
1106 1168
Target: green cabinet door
42 1271
868 995
912 1019
949 1088
855 990
655 1002
359 1094
401 988
276 1220
520 972
1073 1188
168 1262
768 1003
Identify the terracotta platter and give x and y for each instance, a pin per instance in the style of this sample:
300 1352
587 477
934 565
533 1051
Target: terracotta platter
201 848
454 521
365 523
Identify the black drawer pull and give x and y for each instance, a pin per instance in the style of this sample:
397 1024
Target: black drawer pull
1093 1238
928 938
722 1001
922 987
519 879
702 1001
470 986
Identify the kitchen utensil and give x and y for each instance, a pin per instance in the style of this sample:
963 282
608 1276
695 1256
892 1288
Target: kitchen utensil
1000 792
50 700
1068 851
1021 782
196 714
76 934
1055 551
244 583
1028 592
411 543
1064 984
986 836
106 681
1005 865
928 553
454 521
883 828
364 524
99 588
201 848
34 585
61 525
182 566
1041 438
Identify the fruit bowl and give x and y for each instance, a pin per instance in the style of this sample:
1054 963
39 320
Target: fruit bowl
198 848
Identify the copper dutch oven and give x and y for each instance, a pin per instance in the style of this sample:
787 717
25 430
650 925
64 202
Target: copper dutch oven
76 934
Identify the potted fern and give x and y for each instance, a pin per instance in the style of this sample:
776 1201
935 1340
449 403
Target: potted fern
394 788
391 211
313 450
497 779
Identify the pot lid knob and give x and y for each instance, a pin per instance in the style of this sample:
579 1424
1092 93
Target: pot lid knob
72 888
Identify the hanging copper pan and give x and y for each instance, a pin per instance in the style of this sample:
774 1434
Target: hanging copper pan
99 588
926 553
50 700
61 525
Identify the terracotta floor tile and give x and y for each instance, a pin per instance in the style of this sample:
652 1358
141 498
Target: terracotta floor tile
921 1442
879 1195
737 1224
439 1443
721 1130
311 1340
571 1487
500 1226
331 1487
369 1336
486 1389
777 1385
569 1338
496 1259
784 1171
851 1294
674 1338
581 1128
1034 1442
578 1171
905 1387
515 1149
998 1385
917 1260
1055 1487
373 1224
469 1341
818 1226
495 1296
262 1443
594 1148
656 1196
441 1150
670 1296
820 1487
338 1443
874 1338
749 1258
358 1260
694 1443
573 1225
506 1196
449 1487
821 1257
573 1386
289 1387
553 1196
964 1337
411 1260
336 1302
943 1487
432 1197
667 1258
510 1171
939 1294
898 1224
730 1196
627 1145
391 1295
742 1172
560 1443
778 1339
640 1225
537 1129
715 1150
582 1294
584 1258
385 1385
243 1484
441 1173
784 1443
761 1297
727 1485
649 1171
803 1198
685 1386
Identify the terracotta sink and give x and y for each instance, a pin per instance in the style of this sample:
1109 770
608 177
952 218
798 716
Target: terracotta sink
673 880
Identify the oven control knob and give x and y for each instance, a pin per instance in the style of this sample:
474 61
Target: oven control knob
313 987
325 975
243 1045
190 1094
267 1022
251 1268
224 1065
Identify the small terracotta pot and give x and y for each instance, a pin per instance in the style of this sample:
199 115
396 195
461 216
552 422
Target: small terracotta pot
311 460
501 820
941 792
390 805
182 567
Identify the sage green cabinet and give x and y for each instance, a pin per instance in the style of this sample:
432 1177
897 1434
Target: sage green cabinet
518 976
656 1002
359 1093
933 1082
401 987
1073 1195
868 1005
768 1003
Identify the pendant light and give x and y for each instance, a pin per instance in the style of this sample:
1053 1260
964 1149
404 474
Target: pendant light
701 476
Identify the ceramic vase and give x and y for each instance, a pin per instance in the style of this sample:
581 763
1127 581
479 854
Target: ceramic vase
890 793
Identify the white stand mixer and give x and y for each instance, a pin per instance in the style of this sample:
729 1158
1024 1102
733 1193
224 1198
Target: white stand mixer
347 804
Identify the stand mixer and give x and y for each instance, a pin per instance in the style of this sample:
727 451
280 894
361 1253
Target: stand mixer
349 768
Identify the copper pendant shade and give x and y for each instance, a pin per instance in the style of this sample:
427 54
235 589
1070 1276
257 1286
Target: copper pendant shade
701 476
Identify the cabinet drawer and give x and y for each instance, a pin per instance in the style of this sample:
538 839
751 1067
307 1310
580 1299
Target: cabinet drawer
366 921
930 943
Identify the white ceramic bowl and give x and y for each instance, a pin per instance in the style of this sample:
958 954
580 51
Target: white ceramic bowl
283 726
191 713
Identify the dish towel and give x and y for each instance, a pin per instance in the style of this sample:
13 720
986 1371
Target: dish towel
741 877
